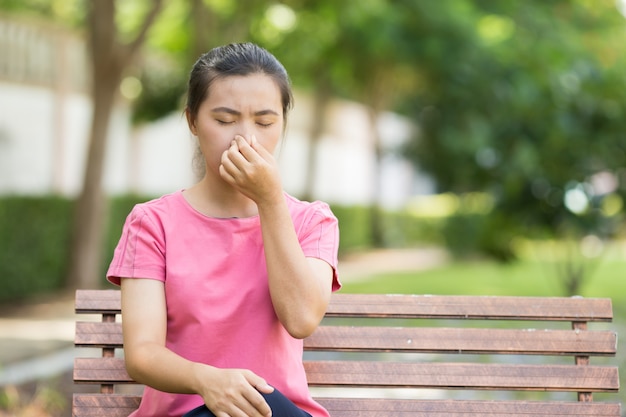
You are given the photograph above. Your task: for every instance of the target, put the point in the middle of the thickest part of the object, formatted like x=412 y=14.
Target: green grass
x=523 y=278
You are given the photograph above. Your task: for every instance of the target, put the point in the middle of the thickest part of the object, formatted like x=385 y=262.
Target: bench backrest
x=386 y=349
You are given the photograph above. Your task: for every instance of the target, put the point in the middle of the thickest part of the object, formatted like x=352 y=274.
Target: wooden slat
x=98 y=302
x=462 y=376
x=101 y=370
x=98 y=405
x=421 y=306
x=95 y=405
x=98 y=334
x=413 y=375
x=365 y=407
x=462 y=340
x=92 y=405
x=470 y=307
x=431 y=340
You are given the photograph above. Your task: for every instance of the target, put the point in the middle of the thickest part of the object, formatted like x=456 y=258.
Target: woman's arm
x=226 y=392
x=300 y=287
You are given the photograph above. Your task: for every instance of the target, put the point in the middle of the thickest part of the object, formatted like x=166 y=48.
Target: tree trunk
x=109 y=59
x=376 y=215
x=202 y=27
x=318 y=122
x=90 y=211
x=378 y=97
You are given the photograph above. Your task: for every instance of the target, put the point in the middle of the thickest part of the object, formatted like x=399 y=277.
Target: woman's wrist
x=201 y=375
x=271 y=203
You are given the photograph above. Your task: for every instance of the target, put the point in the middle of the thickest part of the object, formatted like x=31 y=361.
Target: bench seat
x=394 y=355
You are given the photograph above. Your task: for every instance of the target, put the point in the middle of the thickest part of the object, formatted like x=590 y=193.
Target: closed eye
x=224 y=122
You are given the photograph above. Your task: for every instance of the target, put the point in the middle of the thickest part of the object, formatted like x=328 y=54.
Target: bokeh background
x=483 y=138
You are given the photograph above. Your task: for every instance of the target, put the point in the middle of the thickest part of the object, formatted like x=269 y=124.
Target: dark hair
x=235 y=59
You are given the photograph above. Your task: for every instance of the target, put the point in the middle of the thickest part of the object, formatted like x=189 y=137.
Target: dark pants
x=281 y=407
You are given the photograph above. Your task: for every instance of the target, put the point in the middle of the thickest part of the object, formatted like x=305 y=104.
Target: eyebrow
x=237 y=113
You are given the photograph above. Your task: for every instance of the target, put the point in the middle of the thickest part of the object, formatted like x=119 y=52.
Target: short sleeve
x=140 y=252
x=320 y=238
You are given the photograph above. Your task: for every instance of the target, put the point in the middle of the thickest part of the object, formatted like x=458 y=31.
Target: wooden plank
x=410 y=375
x=462 y=376
x=93 y=405
x=99 y=405
x=98 y=302
x=101 y=370
x=365 y=407
x=462 y=340
x=428 y=340
x=420 y=306
x=98 y=334
x=470 y=307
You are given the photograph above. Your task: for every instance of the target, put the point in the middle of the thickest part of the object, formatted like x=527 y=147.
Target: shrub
x=354 y=227
x=36 y=232
x=35 y=243
x=34 y=246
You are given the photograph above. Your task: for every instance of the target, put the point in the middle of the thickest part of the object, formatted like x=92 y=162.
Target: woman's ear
x=191 y=121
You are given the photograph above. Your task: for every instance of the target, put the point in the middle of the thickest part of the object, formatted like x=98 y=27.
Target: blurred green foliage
x=35 y=242
x=523 y=101
x=353 y=233
x=36 y=232
x=34 y=246
x=526 y=106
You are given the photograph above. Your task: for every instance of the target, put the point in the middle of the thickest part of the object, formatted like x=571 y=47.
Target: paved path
x=360 y=266
x=36 y=339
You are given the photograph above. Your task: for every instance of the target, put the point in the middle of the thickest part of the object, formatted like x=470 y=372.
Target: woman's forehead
x=245 y=90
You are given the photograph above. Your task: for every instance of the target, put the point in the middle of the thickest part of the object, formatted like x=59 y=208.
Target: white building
x=45 y=114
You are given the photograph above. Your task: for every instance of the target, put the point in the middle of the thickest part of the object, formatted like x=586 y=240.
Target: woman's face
x=247 y=105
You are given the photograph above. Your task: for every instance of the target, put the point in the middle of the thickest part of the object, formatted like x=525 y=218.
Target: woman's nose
x=246 y=130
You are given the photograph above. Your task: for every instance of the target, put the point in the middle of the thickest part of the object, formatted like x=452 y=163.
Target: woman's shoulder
x=302 y=207
x=158 y=207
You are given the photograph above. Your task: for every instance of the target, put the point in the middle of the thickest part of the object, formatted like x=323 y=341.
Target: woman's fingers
x=256 y=405
x=242 y=163
x=246 y=148
x=238 y=397
x=249 y=167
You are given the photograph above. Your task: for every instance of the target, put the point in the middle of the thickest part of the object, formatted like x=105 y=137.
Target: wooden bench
x=403 y=355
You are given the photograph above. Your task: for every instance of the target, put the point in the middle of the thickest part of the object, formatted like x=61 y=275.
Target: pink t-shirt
x=218 y=304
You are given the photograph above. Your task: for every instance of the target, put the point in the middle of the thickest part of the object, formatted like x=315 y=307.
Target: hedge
x=35 y=235
x=35 y=238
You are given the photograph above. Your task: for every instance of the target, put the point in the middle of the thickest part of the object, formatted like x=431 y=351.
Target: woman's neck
x=218 y=199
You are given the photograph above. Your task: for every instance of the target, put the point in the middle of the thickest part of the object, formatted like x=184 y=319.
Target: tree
x=110 y=57
x=348 y=50
x=375 y=64
x=309 y=50
x=528 y=110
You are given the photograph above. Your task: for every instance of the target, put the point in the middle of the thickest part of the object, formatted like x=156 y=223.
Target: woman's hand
x=250 y=168
x=235 y=392
x=227 y=392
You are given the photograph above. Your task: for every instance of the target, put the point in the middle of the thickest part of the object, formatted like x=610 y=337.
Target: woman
x=221 y=281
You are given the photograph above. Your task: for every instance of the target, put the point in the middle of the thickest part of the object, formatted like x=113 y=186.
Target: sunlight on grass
x=528 y=277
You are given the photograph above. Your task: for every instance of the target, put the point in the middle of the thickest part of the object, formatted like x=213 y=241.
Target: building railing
x=42 y=55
